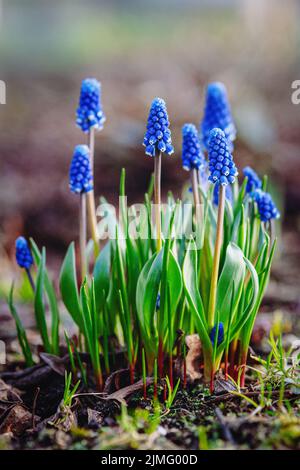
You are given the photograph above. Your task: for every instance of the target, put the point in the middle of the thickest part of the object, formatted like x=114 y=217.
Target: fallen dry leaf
x=17 y=420
x=193 y=357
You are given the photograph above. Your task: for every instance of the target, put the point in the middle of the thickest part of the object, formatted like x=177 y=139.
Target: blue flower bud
x=221 y=165
x=81 y=178
x=158 y=135
x=192 y=156
x=266 y=206
x=23 y=253
x=254 y=182
x=157 y=305
x=89 y=111
x=217 y=113
x=213 y=332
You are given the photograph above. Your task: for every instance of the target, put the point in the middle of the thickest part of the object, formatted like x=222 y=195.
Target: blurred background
x=138 y=49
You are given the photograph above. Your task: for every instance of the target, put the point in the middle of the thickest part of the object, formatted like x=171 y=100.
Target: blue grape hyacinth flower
x=217 y=113
x=158 y=135
x=192 y=156
x=254 y=182
x=81 y=178
x=157 y=305
x=221 y=165
x=266 y=206
x=213 y=333
x=89 y=112
x=23 y=254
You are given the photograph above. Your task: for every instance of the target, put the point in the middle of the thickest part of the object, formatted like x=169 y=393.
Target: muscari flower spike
x=254 y=182
x=89 y=111
x=221 y=165
x=213 y=332
x=192 y=156
x=23 y=253
x=81 y=178
x=217 y=113
x=266 y=206
x=158 y=135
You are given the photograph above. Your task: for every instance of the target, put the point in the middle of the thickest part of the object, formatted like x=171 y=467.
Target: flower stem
x=157 y=199
x=243 y=362
x=82 y=234
x=91 y=144
x=144 y=374
x=155 y=379
x=30 y=279
x=160 y=358
x=195 y=187
x=171 y=371
x=216 y=260
x=272 y=232
x=99 y=381
x=91 y=196
x=197 y=203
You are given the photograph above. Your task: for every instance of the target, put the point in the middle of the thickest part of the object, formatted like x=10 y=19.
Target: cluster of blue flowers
x=89 y=111
x=192 y=156
x=266 y=206
x=213 y=333
x=23 y=253
x=221 y=165
x=254 y=182
x=158 y=135
x=217 y=114
x=81 y=178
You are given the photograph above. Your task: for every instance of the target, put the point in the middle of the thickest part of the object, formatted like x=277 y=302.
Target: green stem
x=272 y=232
x=30 y=279
x=216 y=260
x=82 y=234
x=197 y=201
x=157 y=199
x=195 y=188
x=144 y=374
x=91 y=144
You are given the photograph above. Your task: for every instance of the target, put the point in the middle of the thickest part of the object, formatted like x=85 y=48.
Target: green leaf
x=101 y=276
x=50 y=291
x=232 y=275
x=146 y=295
x=68 y=286
x=22 y=337
x=193 y=295
x=175 y=283
x=133 y=268
x=252 y=293
x=39 y=307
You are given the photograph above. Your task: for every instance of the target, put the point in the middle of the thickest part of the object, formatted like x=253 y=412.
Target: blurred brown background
x=138 y=49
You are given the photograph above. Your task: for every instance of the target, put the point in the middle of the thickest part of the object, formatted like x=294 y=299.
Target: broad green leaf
x=232 y=275
x=133 y=268
x=50 y=291
x=39 y=307
x=174 y=281
x=193 y=295
x=68 y=286
x=252 y=293
x=101 y=276
x=147 y=291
